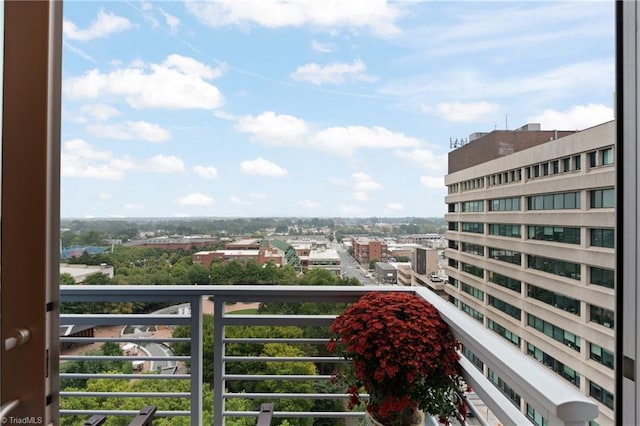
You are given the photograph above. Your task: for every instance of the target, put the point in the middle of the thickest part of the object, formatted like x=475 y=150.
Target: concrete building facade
x=531 y=251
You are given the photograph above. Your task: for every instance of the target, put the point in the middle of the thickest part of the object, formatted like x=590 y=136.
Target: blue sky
x=315 y=108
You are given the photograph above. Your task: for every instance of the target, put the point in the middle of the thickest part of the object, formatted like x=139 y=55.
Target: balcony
x=551 y=397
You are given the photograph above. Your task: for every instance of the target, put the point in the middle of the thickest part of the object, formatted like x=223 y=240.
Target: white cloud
x=206 y=172
x=237 y=200
x=578 y=117
x=130 y=130
x=377 y=15
x=258 y=195
x=345 y=140
x=164 y=164
x=462 y=112
x=334 y=73
x=363 y=184
x=196 y=199
x=105 y=196
x=395 y=206
x=425 y=158
x=179 y=82
x=361 y=196
x=262 y=167
x=308 y=204
x=274 y=129
x=172 y=22
x=80 y=159
x=101 y=112
x=104 y=25
x=322 y=47
x=433 y=182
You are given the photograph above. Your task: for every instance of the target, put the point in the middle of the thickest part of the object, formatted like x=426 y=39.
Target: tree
x=198 y=274
x=67 y=279
x=372 y=263
x=97 y=278
x=92 y=366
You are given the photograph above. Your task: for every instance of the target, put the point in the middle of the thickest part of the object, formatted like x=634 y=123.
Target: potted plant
x=403 y=355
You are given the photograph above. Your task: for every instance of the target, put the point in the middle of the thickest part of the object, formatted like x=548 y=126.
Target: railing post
x=218 y=361
x=266 y=413
x=145 y=416
x=196 y=361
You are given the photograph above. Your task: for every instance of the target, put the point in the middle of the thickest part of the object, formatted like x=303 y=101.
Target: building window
x=478 y=294
x=554 y=266
x=565 y=372
x=508 y=256
x=555 y=167
x=453 y=244
x=472 y=312
x=602 y=237
x=601 y=316
x=545 y=169
x=475 y=227
x=504 y=204
x=601 y=276
x=453 y=207
x=453 y=301
x=606 y=156
x=599 y=394
x=602 y=198
x=504 y=230
x=453 y=263
x=566 y=165
x=473 y=206
x=576 y=162
x=453 y=226
x=554 y=299
x=507 y=334
x=565 y=337
x=601 y=355
x=473 y=270
x=477 y=362
x=504 y=281
x=476 y=249
x=593 y=159
x=505 y=388
x=554 y=233
x=505 y=307
x=536 y=417
x=567 y=200
x=452 y=281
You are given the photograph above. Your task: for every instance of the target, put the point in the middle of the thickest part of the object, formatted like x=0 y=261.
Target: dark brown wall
x=498 y=144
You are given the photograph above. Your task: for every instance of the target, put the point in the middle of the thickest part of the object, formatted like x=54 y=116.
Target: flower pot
x=415 y=420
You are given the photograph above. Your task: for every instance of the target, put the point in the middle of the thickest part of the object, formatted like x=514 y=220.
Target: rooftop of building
x=482 y=147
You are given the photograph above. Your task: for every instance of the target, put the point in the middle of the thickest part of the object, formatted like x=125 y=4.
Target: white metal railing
x=558 y=401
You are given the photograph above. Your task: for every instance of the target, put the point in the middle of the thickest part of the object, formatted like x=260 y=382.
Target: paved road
x=350 y=267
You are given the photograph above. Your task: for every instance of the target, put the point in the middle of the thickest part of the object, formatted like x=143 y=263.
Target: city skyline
x=310 y=109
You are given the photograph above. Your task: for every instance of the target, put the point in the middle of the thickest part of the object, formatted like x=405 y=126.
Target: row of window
x=552 y=298
x=599 y=237
x=504 y=332
x=602 y=157
x=564 y=165
x=473 y=313
x=598 y=198
x=595 y=391
x=597 y=276
x=564 y=371
x=504 y=387
x=565 y=337
x=478 y=294
x=505 y=307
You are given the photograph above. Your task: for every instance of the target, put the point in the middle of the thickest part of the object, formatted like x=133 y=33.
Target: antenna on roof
x=506 y=121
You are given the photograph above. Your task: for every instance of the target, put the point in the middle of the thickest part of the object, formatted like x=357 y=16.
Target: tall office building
x=531 y=253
